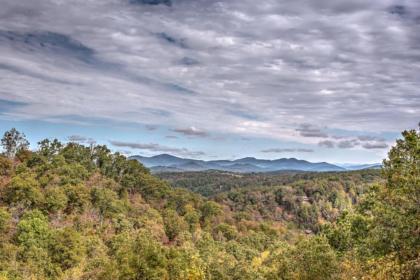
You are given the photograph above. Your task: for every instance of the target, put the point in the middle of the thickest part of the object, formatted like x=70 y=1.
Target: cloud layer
x=287 y=150
x=277 y=69
x=191 y=131
x=153 y=147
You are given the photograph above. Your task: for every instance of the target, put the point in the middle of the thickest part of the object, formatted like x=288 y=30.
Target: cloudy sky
x=324 y=80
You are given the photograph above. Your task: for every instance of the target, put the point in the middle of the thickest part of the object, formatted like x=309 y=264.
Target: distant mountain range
x=169 y=163
x=350 y=166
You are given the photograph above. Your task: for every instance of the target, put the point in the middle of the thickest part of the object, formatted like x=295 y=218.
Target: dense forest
x=301 y=200
x=209 y=183
x=69 y=211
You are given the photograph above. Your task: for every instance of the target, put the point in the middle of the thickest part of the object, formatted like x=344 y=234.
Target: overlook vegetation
x=210 y=183
x=68 y=211
x=298 y=200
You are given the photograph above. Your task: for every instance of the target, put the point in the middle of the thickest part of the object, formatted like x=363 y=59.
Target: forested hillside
x=298 y=200
x=209 y=183
x=68 y=211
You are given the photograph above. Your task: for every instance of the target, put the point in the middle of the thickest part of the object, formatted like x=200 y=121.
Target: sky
x=321 y=80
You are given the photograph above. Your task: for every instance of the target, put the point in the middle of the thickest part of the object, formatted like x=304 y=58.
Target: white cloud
x=153 y=147
x=191 y=131
x=287 y=150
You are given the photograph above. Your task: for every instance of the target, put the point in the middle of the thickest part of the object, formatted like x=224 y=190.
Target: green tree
x=184 y=263
x=394 y=207
x=137 y=256
x=192 y=217
x=77 y=198
x=33 y=230
x=24 y=189
x=225 y=231
x=5 y=219
x=173 y=224
x=33 y=237
x=314 y=259
x=382 y=237
x=66 y=248
x=107 y=202
x=13 y=141
x=48 y=148
x=209 y=210
x=348 y=232
x=55 y=199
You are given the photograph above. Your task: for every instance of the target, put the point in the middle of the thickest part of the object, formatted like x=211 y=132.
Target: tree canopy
x=73 y=212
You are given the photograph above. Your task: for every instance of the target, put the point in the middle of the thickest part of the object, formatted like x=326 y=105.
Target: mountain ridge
x=164 y=162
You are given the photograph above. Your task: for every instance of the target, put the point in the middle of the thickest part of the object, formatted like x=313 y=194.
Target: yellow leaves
x=76 y=272
x=351 y=268
x=265 y=255
x=384 y=268
x=196 y=270
x=258 y=261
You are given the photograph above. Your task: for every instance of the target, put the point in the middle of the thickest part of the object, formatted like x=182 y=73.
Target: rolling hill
x=166 y=162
